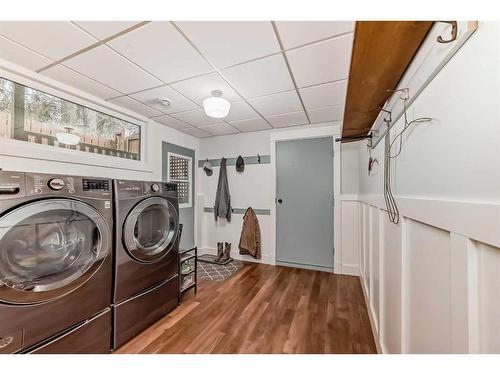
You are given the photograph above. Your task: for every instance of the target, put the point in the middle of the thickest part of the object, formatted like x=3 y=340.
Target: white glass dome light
x=216 y=106
x=67 y=138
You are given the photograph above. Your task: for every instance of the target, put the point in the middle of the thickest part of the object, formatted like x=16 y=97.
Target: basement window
x=180 y=172
x=31 y=115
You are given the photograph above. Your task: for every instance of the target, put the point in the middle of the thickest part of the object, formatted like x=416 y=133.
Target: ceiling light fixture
x=165 y=102
x=67 y=138
x=216 y=106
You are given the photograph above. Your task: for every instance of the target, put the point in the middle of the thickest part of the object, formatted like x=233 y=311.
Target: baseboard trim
x=350 y=269
x=237 y=256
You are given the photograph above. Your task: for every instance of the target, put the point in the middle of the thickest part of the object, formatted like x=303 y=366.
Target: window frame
x=22 y=149
x=189 y=204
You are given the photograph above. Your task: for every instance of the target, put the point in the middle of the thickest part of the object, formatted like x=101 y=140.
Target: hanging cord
x=407 y=124
x=390 y=201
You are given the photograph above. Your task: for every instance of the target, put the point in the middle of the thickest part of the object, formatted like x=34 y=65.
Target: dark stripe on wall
x=264 y=159
x=241 y=211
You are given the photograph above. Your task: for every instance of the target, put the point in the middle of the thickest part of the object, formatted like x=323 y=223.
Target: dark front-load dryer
x=147 y=225
x=146 y=255
x=55 y=262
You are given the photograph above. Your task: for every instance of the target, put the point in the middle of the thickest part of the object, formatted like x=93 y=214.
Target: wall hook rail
x=454 y=31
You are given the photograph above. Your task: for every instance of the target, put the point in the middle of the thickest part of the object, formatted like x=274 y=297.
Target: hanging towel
x=222 y=206
x=250 y=234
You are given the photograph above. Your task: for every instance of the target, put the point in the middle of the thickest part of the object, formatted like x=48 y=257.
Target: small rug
x=218 y=272
x=208 y=258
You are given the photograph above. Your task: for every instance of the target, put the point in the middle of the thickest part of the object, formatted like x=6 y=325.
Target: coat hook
x=454 y=29
x=258 y=158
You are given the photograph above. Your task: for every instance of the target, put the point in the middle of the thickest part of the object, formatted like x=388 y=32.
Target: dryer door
x=49 y=248
x=150 y=229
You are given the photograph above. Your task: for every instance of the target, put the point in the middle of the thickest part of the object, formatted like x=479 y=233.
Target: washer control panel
x=93 y=185
x=56 y=183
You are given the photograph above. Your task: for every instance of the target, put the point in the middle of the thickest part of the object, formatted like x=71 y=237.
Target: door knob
x=280 y=200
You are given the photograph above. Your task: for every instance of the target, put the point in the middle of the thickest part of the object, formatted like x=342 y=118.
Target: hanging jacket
x=250 y=234
x=222 y=206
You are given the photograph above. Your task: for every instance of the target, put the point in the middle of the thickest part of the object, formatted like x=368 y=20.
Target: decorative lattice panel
x=179 y=173
x=183 y=190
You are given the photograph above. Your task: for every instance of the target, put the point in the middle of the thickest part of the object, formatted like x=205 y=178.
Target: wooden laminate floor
x=265 y=309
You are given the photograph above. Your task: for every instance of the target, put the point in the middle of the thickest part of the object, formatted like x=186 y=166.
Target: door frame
x=310 y=133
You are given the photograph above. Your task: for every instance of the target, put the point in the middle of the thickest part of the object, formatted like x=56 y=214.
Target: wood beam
x=381 y=53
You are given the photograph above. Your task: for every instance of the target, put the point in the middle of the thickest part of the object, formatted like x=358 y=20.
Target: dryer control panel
x=89 y=185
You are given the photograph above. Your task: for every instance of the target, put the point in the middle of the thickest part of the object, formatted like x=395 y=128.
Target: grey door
x=304 y=203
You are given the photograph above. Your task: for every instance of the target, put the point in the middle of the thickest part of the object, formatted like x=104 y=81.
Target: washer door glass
x=150 y=229
x=48 y=248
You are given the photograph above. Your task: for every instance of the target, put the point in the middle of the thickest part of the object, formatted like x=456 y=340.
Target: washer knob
x=155 y=188
x=56 y=184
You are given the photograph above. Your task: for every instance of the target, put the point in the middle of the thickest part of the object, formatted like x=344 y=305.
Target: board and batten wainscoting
x=430 y=285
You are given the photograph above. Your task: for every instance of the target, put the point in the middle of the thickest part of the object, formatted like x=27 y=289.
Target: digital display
x=171 y=187
x=95 y=185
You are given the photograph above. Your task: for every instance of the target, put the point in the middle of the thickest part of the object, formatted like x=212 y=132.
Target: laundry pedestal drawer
x=135 y=314
x=90 y=337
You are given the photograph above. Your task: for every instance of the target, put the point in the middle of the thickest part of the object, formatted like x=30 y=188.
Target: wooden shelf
x=381 y=53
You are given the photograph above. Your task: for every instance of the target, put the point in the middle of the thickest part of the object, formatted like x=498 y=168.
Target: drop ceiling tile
x=20 y=55
x=106 y=66
x=196 y=118
x=241 y=111
x=251 y=125
x=287 y=119
x=328 y=94
x=172 y=122
x=260 y=77
x=104 y=29
x=134 y=105
x=297 y=33
x=150 y=97
x=283 y=102
x=66 y=75
x=160 y=49
x=220 y=129
x=195 y=132
x=321 y=62
x=326 y=114
x=200 y=88
x=226 y=43
x=53 y=39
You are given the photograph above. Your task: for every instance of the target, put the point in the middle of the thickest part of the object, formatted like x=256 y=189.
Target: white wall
x=256 y=188
x=432 y=281
x=252 y=188
x=349 y=208
x=350 y=171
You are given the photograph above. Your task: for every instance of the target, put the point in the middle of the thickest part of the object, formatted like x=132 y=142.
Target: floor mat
x=208 y=258
x=218 y=272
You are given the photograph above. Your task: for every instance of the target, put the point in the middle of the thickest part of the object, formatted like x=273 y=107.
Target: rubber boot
x=227 y=251
x=220 y=251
